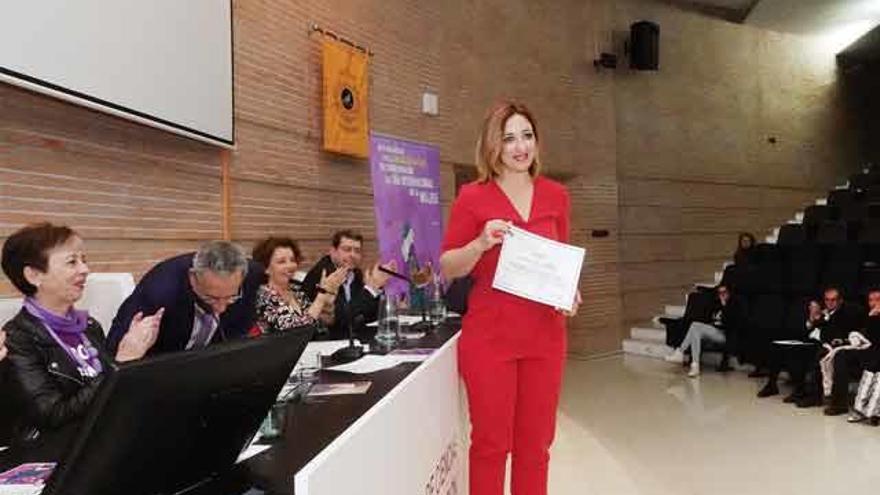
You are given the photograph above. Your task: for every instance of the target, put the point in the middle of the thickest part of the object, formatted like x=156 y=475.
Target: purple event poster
x=406 y=188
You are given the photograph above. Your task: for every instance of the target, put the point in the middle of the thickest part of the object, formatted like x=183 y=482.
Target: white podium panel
x=410 y=443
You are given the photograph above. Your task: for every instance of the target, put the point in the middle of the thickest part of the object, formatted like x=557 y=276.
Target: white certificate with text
x=539 y=269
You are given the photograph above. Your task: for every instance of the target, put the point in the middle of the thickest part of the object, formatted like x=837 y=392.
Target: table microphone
x=352 y=352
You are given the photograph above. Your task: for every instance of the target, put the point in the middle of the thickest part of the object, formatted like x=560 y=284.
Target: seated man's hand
x=3 y=350
x=331 y=282
x=376 y=278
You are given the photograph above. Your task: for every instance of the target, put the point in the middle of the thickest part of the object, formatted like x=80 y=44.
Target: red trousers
x=513 y=378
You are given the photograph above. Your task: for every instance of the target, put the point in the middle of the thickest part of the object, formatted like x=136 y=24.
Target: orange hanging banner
x=346 y=126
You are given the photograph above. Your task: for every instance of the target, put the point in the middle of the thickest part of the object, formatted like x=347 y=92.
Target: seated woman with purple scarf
x=56 y=356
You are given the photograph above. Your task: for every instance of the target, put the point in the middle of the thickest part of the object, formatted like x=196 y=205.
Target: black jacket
x=48 y=395
x=363 y=307
x=848 y=318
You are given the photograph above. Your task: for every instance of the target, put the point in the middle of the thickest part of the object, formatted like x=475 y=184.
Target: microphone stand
x=352 y=352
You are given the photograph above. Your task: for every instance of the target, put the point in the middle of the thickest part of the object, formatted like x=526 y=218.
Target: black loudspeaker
x=644 y=46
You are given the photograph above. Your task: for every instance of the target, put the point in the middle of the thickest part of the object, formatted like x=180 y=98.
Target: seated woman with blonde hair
x=281 y=303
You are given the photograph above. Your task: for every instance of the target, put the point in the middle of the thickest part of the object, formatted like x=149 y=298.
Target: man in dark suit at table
x=358 y=301
x=209 y=296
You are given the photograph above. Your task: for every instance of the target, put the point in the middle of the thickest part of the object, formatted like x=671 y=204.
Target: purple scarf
x=68 y=331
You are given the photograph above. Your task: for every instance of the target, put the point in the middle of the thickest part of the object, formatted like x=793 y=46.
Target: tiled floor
x=630 y=425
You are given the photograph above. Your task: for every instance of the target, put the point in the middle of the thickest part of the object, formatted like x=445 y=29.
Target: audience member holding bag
x=857 y=354
x=282 y=304
x=867 y=402
x=56 y=354
x=511 y=350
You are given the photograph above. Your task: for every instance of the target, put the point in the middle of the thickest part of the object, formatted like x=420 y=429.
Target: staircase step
x=648 y=334
x=706 y=285
x=674 y=311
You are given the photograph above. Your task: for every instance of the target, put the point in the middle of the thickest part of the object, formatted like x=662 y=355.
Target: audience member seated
x=840 y=320
x=208 y=296
x=848 y=361
x=832 y=330
x=725 y=321
x=744 y=249
x=798 y=355
x=56 y=354
x=358 y=304
x=867 y=401
x=281 y=303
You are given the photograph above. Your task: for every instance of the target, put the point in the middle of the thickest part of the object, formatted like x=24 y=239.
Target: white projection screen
x=164 y=63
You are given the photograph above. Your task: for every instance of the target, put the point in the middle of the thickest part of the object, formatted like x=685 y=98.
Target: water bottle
x=437 y=309
x=389 y=325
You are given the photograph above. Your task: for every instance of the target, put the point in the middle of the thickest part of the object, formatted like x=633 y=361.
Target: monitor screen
x=161 y=424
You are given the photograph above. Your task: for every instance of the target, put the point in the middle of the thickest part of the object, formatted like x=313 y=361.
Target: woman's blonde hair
x=490 y=143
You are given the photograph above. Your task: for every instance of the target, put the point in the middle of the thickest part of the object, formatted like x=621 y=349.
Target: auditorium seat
x=869 y=278
x=766 y=274
x=860 y=181
x=103 y=295
x=832 y=232
x=841 y=268
x=792 y=234
x=815 y=216
x=9 y=307
x=803 y=265
x=698 y=308
x=854 y=214
x=795 y=317
x=869 y=233
x=767 y=320
x=844 y=197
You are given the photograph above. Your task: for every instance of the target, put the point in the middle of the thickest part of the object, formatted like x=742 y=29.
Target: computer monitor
x=168 y=422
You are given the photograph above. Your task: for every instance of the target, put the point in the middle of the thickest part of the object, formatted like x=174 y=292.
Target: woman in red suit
x=512 y=350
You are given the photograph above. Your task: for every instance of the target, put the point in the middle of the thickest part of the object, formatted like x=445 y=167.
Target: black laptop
x=162 y=424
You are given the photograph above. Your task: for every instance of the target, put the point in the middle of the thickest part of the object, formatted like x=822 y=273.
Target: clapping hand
x=2 y=345
x=141 y=336
x=333 y=281
x=376 y=278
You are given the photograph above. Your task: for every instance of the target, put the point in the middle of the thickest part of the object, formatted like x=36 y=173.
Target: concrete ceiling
x=837 y=22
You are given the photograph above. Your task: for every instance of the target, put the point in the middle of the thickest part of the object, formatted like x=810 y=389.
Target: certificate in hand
x=539 y=269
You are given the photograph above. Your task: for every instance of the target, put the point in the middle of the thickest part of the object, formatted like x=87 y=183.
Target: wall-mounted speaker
x=644 y=46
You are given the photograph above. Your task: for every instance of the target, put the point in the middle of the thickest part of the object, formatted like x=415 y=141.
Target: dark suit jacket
x=848 y=318
x=45 y=396
x=363 y=307
x=167 y=286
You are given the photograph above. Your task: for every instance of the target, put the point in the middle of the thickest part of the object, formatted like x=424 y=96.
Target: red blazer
x=478 y=203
